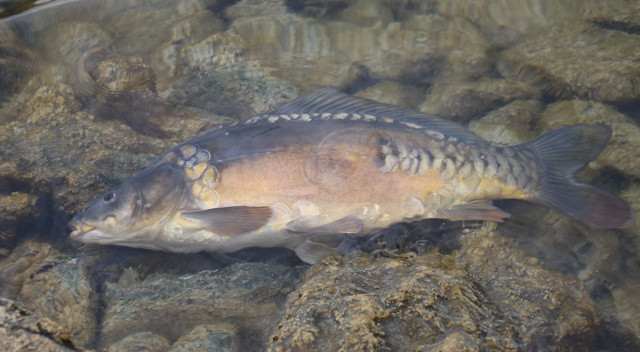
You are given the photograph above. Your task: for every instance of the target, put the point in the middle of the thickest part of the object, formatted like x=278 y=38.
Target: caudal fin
x=563 y=152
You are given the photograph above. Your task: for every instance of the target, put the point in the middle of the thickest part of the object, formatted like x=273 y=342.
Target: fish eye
x=109 y=197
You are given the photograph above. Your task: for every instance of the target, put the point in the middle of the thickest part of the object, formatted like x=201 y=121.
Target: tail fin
x=563 y=152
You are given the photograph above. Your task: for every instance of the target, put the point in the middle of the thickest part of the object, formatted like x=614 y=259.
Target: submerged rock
x=504 y=21
x=577 y=58
x=394 y=93
x=317 y=8
x=297 y=48
x=462 y=101
x=126 y=90
x=632 y=196
x=52 y=286
x=488 y=295
x=218 y=73
x=309 y=53
x=237 y=93
x=215 y=53
x=67 y=155
x=423 y=48
x=616 y=14
x=16 y=209
x=242 y=297
x=367 y=13
x=511 y=124
x=122 y=73
x=403 y=303
x=16 y=61
x=144 y=341
x=211 y=337
x=604 y=261
x=549 y=310
x=22 y=331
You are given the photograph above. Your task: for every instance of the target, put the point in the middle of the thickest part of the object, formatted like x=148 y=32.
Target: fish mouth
x=79 y=229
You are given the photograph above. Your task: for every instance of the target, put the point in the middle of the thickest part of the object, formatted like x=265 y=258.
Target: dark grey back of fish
x=326 y=109
x=332 y=101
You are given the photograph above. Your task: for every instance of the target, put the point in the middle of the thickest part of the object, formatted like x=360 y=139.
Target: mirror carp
x=329 y=163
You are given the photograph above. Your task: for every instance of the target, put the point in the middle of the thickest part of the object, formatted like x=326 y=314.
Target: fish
x=329 y=164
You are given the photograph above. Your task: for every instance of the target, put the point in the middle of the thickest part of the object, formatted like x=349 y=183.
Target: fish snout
x=79 y=228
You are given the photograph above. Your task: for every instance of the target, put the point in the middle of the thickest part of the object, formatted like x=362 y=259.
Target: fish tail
x=563 y=151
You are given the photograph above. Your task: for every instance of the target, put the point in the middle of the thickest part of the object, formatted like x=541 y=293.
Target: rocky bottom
x=485 y=293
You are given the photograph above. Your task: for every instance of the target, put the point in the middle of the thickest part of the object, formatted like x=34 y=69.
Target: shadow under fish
x=328 y=164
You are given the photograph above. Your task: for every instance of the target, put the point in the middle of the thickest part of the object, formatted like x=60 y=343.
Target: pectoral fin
x=345 y=225
x=230 y=221
x=476 y=210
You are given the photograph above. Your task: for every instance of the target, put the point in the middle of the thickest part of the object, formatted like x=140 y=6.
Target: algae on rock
x=488 y=294
x=52 y=286
x=22 y=331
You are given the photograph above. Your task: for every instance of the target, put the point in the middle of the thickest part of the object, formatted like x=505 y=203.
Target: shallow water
x=92 y=91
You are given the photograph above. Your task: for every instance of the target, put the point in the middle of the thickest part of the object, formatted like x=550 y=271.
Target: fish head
x=135 y=208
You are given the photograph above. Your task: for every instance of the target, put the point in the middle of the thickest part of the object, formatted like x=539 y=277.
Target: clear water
x=91 y=91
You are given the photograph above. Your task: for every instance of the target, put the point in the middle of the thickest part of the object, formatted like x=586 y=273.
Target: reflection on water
x=92 y=91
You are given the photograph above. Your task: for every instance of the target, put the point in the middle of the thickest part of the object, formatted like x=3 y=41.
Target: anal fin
x=476 y=210
x=346 y=225
x=230 y=221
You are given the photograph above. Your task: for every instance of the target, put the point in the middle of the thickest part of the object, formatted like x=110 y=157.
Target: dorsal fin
x=330 y=100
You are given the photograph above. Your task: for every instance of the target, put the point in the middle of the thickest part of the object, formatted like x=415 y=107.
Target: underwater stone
x=16 y=209
x=632 y=196
x=69 y=42
x=489 y=294
x=603 y=261
x=255 y=8
x=206 y=297
x=63 y=295
x=394 y=93
x=93 y=153
x=317 y=8
x=367 y=13
x=16 y=60
x=214 y=53
x=144 y=341
x=511 y=124
x=52 y=286
x=462 y=101
x=72 y=169
x=541 y=304
x=399 y=303
x=504 y=21
x=616 y=14
x=422 y=48
x=122 y=73
x=577 y=58
x=125 y=90
x=22 y=331
x=212 y=337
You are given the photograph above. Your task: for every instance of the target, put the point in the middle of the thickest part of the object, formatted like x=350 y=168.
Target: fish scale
x=456 y=158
